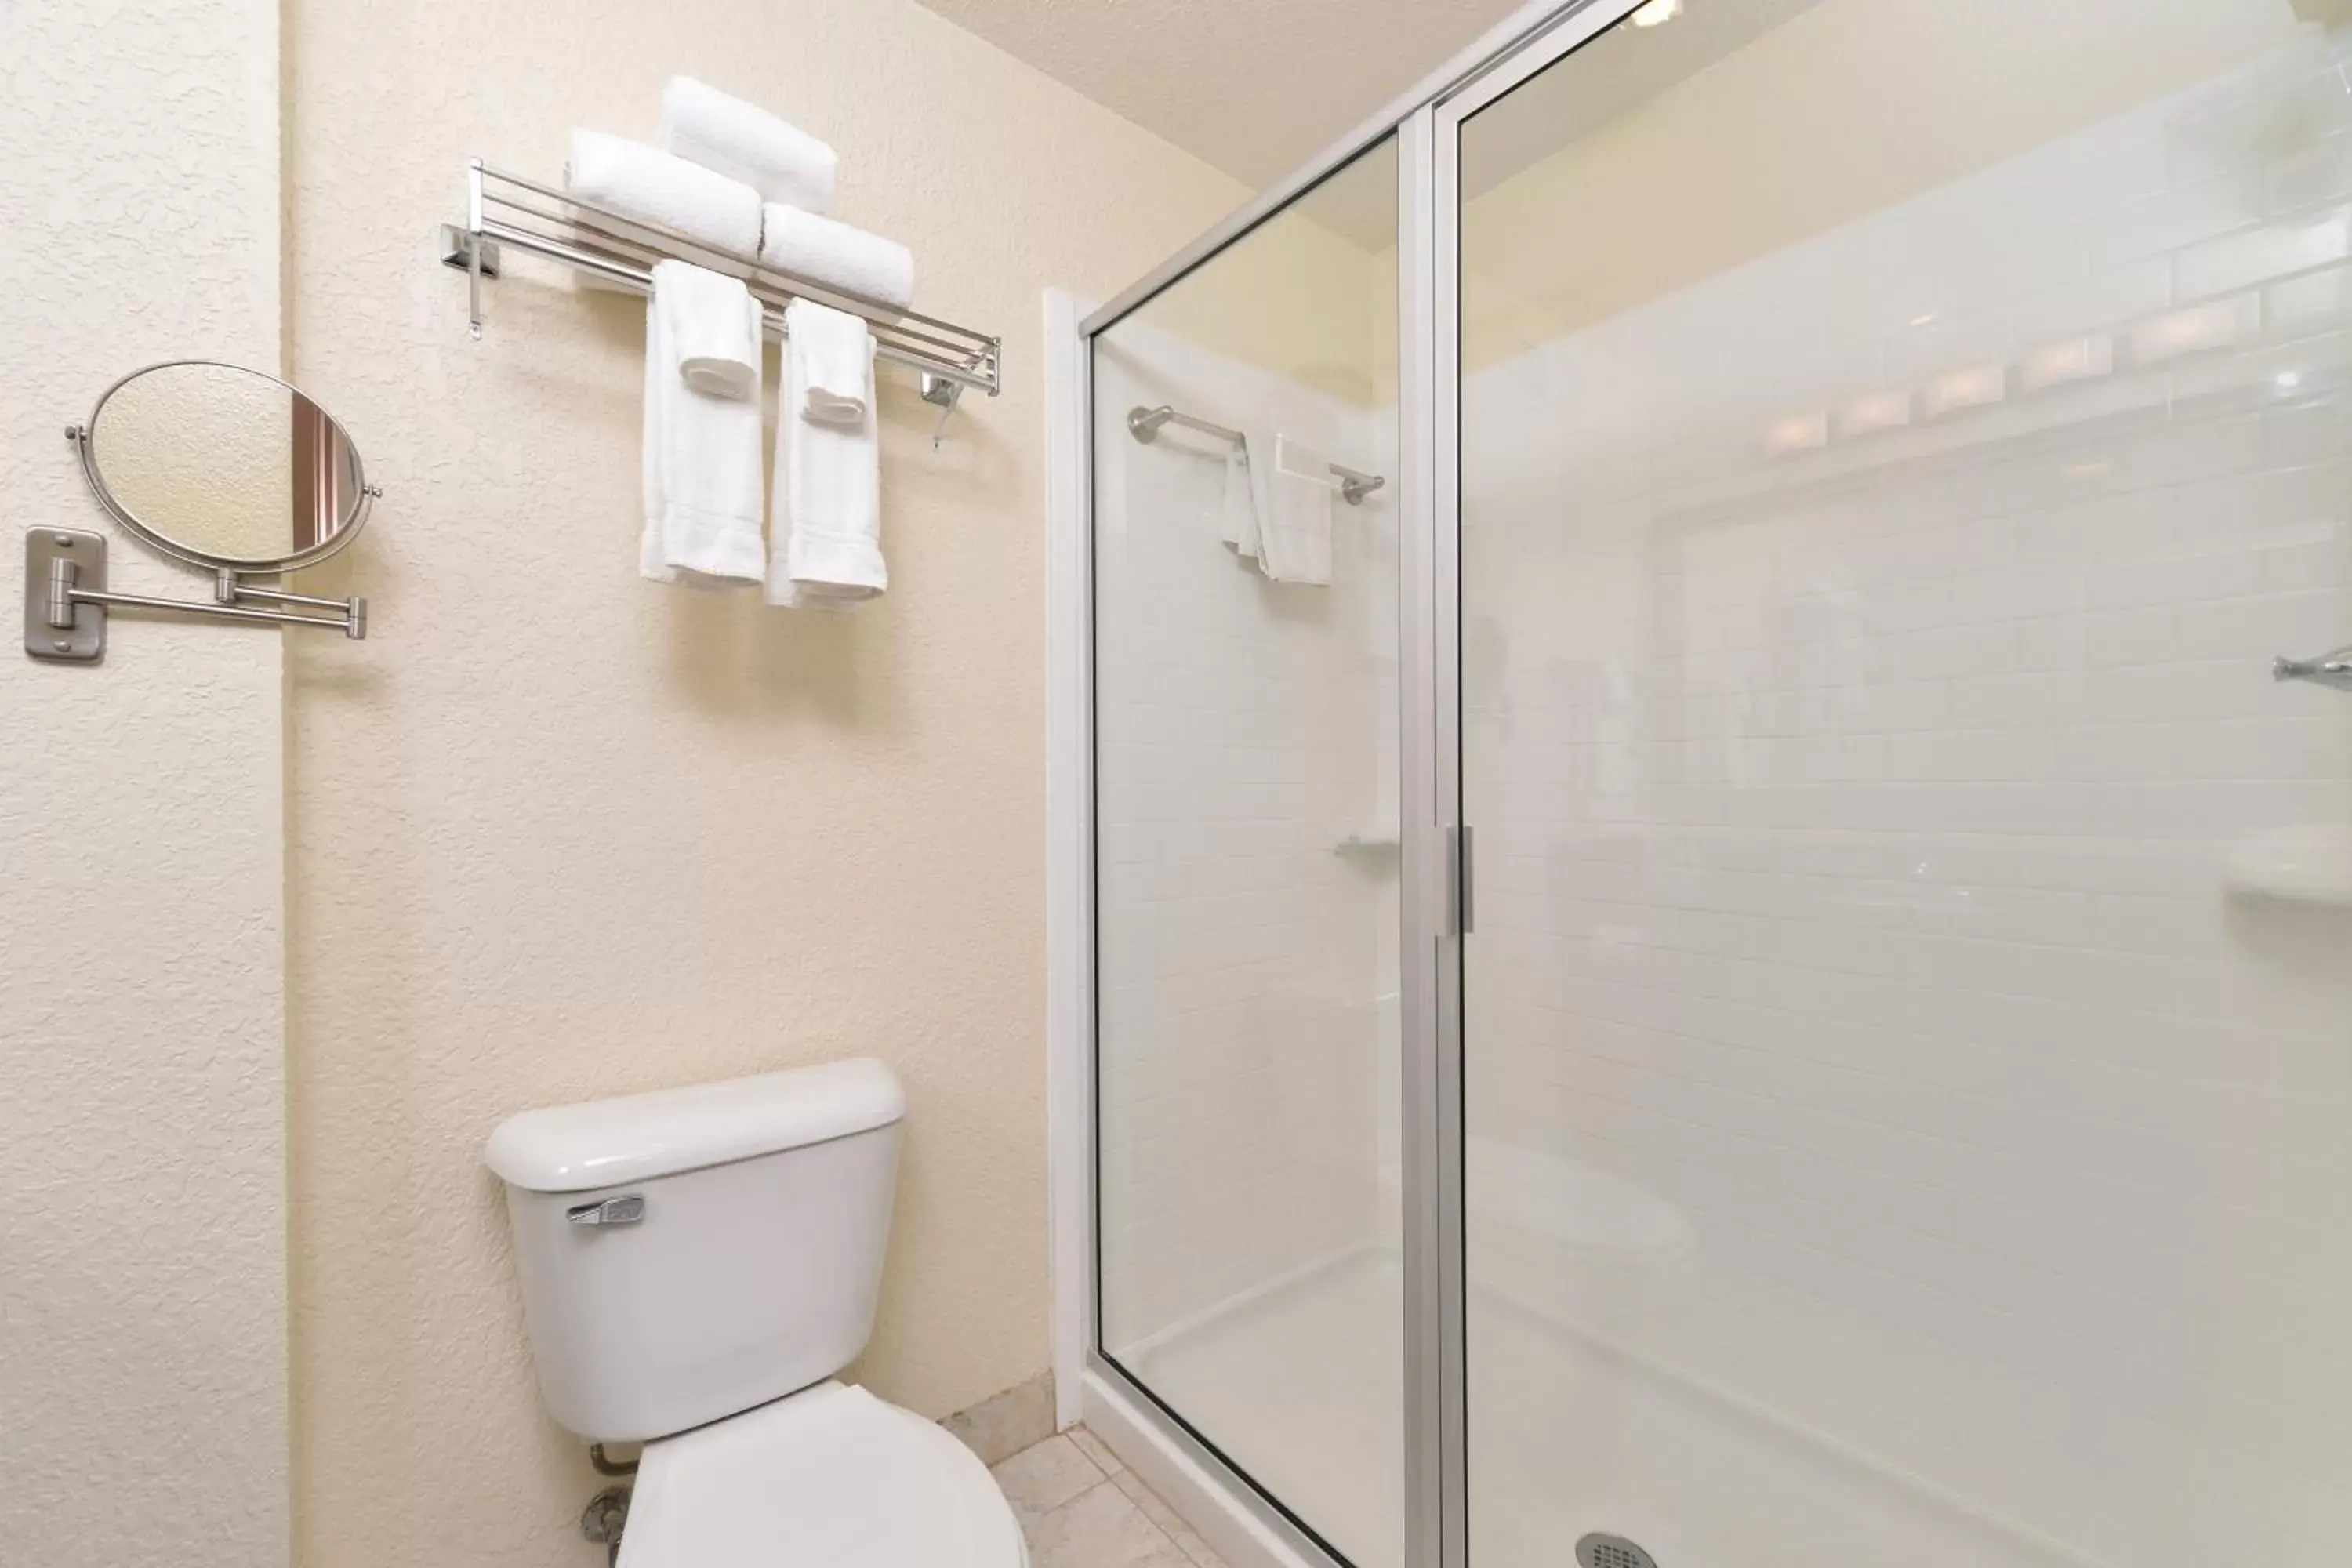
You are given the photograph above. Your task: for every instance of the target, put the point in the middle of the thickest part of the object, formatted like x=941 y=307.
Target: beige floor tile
x=1045 y=1476
x=1074 y=1518
x=1144 y=1498
x=1101 y=1528
x=1187 y=1539
x=1095 y=1448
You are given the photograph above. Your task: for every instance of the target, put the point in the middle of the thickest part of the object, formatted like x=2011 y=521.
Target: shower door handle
x=1460 y=880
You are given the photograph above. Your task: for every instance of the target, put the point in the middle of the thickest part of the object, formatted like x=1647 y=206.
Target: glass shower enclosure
x=1718 y=935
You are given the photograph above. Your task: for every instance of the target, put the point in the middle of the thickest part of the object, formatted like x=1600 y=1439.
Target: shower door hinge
x=1459 y=881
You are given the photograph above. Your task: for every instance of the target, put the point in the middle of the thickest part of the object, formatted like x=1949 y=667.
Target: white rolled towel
x=743 y=142
x=837 y=255
x=652 y=187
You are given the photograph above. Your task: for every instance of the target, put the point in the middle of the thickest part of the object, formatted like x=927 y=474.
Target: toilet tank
x=692 y=1253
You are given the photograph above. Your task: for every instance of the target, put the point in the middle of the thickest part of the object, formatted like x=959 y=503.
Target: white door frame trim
x=1069 y=854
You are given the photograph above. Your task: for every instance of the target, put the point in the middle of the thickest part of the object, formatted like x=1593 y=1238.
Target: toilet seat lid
x=828 y=1477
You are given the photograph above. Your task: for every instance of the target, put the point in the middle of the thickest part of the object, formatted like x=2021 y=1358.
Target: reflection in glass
x=226 y=464
x=1247 y=861
x=1906 y=1032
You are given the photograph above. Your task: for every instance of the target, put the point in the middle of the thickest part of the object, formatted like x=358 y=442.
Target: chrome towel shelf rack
x=505 y=210
x=1144 y=425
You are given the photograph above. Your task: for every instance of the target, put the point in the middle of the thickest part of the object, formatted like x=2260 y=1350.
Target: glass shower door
x=1247 y=860
x=1907 y=1030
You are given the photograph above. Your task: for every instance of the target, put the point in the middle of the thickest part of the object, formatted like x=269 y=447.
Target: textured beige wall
x=142 y=1221
x=557 y=831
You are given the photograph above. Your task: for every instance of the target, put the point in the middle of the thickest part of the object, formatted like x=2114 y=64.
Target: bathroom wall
x=1897 y=860
x=1239 y=730
x=143 y=1219
x=1247 y=886
x=556 y=832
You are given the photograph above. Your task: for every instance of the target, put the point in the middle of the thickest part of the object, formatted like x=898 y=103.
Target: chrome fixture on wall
x=2329 y=669
x=1144 y=423
x=505 y=210
x=184 y=455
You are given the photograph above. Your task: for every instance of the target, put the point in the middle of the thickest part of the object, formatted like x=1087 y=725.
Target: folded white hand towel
x=744 y=142
x=1294 y=512
x=837 y=353
x=713 y=327
x=702 y=462
x=1236 y=506
x=837 y=255
x=825 y=549
x=651 y=186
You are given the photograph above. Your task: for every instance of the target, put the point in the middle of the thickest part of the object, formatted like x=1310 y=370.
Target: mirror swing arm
x=66 y=594
x=65 y=576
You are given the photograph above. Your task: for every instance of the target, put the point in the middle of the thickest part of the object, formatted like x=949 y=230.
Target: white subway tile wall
x=1241 y=737
x=1881 y=824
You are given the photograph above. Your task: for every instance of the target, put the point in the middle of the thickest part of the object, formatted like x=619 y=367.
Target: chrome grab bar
x=1144 y=423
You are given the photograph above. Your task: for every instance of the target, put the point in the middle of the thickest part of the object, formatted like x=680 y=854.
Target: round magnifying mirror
x=224 y=467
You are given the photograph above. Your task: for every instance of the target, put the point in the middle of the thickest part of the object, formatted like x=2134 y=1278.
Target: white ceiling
x=1255 y=87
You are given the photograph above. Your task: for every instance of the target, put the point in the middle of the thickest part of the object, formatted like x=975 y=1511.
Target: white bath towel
x=651 y=186
x=825 y=547
x=713 y=327
x=1237 y=505
x=744 y=142
x=701 y=465
x=1293 y=495
x=846 y=259
x=835 y=353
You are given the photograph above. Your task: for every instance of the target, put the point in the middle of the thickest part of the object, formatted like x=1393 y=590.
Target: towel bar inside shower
x=1144 y=425
x=506 y=211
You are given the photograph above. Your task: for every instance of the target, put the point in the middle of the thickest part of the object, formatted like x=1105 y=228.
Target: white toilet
x=696 y=1264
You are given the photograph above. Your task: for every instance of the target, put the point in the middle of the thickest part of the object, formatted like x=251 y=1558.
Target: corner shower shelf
x=1369 y=841
x=503 y=209
x=2309 y=866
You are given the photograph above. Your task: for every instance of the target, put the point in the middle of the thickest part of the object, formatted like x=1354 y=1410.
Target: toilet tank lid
x=606 y=1142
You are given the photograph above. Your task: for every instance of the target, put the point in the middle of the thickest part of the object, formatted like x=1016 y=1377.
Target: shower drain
x=1598 y=1551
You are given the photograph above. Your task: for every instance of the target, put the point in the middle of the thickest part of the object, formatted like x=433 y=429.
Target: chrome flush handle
x=626 y=1209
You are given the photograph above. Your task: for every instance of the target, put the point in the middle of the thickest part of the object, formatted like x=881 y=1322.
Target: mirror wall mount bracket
x=66 y=600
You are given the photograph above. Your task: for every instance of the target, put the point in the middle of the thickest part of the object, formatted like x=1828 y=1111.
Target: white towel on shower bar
x=701 y=463
x=1261 y=459
x=1236 y=506
x=1292 y=485
x=825 y=551
x=848 y=261
x=743 y=142
x=651 y=186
